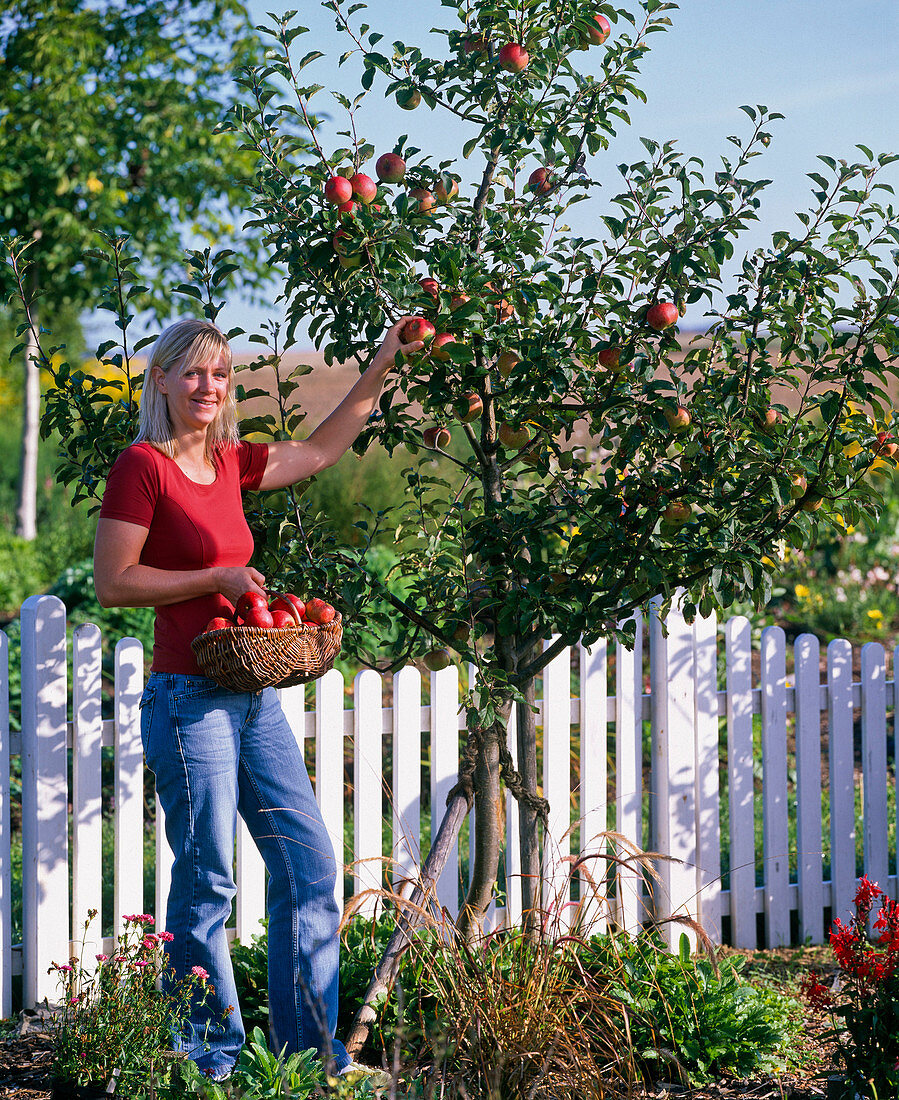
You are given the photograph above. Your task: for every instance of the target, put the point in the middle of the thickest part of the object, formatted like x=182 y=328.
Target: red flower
x=818 y=996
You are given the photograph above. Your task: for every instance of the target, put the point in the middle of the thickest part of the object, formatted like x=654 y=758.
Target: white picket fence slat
x=706 y=803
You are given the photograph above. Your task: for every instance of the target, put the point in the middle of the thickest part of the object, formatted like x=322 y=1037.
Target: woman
x=172 y=535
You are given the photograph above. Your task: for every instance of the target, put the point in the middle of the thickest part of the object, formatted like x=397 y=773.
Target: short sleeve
x=132 y=488
x=252 y=459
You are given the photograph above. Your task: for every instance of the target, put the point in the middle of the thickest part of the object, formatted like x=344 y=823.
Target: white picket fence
x=706 y=756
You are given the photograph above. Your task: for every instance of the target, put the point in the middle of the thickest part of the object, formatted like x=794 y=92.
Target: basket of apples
x=270 y=643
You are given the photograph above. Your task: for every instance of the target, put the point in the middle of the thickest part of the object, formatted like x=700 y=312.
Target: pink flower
x=101 y=958
x=166 y=937
x=140 y=963
x=64 y=969
x=150 y=941
x=200 y=973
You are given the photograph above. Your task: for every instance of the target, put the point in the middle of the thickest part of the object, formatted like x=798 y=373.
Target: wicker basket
x=249 y=658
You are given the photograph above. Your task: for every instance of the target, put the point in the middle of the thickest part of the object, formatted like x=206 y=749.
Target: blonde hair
x=183 y=345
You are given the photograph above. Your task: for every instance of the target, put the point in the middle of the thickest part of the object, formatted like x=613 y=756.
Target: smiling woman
x=172 y=535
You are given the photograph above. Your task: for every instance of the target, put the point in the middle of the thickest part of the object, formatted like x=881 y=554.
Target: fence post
x=808 y=789
x=129 y=781
x=368 y=739
x=594 y=717
x=874 y=763
x=708 y=790
x=406 y=777
x=672 y=671
x=87 y=824
x=5 y=858
x=45 y=879
x=629 y=774
x=740 y=776
x=444 y=774
x=329 y=747
x=842 y=778
x=557 y=785
x=774 y=788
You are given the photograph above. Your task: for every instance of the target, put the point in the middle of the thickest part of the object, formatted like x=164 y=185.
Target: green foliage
x=21 y=575
x=689 y=1017
x=250 y=964
x=259 y=1074
x=116 y=1019
x=106 y=119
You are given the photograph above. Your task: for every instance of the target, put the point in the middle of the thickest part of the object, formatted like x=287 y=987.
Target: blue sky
x=832 y=68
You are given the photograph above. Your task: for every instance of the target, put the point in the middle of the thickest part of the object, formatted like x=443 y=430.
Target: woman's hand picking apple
x=393 y=343
x=234 y=581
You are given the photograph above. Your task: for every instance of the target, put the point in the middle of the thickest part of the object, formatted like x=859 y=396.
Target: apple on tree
x=437 y=659
x=678 y=418
x=662 y=315
x=506 y=362
x=422 y=200
x=436 y=437
x=364 y=187
x=439 y=343
x=446 y=188
x=540 y=181
x=418 y=329
x=678 y=513
x=408 y=98
x=469 y=407
x=390 y=168
x=513 y=58
x=514 y=439
x=430 y=286
x=598 y=31
x=610 y=358
x=338 y=190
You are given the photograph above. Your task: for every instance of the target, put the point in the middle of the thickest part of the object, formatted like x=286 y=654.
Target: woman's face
x=195 y=396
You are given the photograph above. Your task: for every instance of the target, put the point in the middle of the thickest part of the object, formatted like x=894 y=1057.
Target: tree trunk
x=528 y=819
x=26 y=510
x=489 y=821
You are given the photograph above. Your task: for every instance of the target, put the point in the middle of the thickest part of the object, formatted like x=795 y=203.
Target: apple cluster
x=282 y=612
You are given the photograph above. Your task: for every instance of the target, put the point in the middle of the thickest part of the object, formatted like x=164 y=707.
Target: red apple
x=457 y=301
x=678 y=418
x=811 y=504
x=250 y=601
x=288 y=605
x=421 y=200
x=886 y=447
x=435 y=436
x=430 y=286
x=469 y=407
x=514 y=439
x=678 y=513
x=390 y=168
x=408 y=98
x=513 y=58
x=598 y=32
x=259 y=616
x=446 y=188
x=439 y=343
x=418 y=328
x=540 y=181
x=662 y=315
x=218 y=623
x=319 y=612
x=437 y=659
x=338 y=190
x=610 y=358
x=506 y=363
x=364 y=187
x=475 y=44
x=347 y=209
x=283 y=620
x=770 y=418
x=798 y=486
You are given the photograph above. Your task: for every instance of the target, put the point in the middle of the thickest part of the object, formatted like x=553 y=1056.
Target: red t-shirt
x=189 y=526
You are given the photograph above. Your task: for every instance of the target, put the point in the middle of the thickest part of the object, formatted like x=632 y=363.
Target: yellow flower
x=93 y=185
x=802 y=592
x=874 y=614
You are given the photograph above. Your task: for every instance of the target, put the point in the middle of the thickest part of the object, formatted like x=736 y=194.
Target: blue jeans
x=216 y=753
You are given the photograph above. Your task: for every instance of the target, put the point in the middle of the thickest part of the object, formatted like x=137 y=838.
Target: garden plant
x=588 y=466
x=864 y=1003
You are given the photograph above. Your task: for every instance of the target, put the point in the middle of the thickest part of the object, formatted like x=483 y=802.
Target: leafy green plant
x=117 y=1017
x=259 y=1074
x=867 y=1003
x=690 y=1017
x=250 y=964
